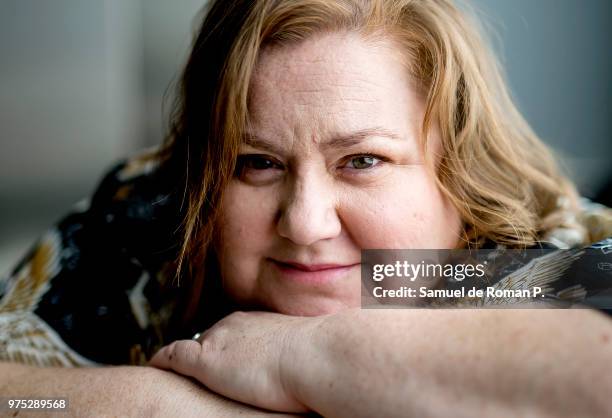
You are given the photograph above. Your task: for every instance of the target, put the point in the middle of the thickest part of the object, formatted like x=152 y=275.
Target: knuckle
x=172 y=352
x=187 y=351
x=207 y=345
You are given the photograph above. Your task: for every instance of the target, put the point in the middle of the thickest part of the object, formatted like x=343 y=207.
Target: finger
x=183 y=356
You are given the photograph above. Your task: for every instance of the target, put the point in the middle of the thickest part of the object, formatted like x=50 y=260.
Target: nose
x=308 y=213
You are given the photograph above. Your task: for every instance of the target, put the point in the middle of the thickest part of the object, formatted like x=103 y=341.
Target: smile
x=313 y=273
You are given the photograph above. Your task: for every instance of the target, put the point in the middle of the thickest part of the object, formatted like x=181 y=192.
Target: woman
x=307 y=131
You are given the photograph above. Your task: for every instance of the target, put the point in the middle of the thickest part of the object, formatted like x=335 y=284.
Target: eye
x=257 y=168
x=256 y=162
x=362 y=162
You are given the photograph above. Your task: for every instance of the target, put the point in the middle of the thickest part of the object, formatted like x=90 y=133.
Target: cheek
x=408 y=211
x=244 y=232
x=244 y=217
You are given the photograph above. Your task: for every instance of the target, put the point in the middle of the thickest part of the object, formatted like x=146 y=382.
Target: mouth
x=312 y=273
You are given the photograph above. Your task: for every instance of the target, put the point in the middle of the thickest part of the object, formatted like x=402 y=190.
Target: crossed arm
x=356 y=363
x=531 y=362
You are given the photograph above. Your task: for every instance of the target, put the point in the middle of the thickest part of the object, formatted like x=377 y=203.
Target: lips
x=312 y=273
x=312 y=267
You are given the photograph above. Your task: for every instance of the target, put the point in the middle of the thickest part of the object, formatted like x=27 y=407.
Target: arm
x=457 y=363
x=437 y=363
x=120 y=391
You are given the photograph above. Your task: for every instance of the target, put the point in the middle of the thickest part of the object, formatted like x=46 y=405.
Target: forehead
x=327 y=56
x=333 y=78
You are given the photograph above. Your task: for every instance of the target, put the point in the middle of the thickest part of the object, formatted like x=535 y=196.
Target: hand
x=245 y=357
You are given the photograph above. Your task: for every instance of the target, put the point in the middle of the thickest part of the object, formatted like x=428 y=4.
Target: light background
x=82 y=82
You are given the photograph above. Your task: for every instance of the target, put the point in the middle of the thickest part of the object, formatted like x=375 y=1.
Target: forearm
x=90 y=391
x=455 y=362
x=120 y=391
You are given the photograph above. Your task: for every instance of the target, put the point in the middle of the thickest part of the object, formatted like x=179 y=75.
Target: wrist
x=309 y=362
x=302 y=356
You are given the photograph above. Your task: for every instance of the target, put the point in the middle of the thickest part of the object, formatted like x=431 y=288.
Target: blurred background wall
x=82 y=83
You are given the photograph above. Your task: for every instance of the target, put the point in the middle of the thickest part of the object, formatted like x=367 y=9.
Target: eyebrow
x=336 y=141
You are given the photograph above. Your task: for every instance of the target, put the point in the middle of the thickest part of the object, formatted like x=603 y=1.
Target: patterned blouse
x=99 y=288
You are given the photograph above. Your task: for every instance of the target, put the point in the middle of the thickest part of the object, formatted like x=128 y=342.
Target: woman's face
x=331 y=165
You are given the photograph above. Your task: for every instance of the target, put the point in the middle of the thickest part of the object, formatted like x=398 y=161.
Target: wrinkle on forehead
x=336 y=82
x=281 y=65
